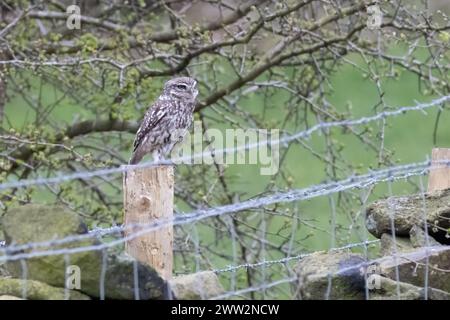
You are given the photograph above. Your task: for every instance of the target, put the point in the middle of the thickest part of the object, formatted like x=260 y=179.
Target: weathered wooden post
x=148 y=196
x=439 y=178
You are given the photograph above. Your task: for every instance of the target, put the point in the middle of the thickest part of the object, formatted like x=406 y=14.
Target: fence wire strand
x=124 y=233
x=284 y=141
x=362 y=181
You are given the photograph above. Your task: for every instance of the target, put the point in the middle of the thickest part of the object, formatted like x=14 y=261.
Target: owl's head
x=181 y=88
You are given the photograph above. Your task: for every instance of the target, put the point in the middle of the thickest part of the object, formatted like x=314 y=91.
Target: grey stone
x=35 y=223
x=397 y=290
x=335 y=275
x=406 y=212
x=412 y=268
x=389 y=246
x=419 y=238
x=3 y=271
x=200 y=285
x=7 y=297
x=36 y=290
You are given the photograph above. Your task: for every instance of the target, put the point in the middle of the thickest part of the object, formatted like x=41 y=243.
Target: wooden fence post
x=148 y=195
x=439 y=178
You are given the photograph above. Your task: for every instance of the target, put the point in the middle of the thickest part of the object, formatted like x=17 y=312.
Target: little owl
x=167 y=121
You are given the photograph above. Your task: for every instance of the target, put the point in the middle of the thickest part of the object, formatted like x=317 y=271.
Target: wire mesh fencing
x=319 y=191
x=274 y=274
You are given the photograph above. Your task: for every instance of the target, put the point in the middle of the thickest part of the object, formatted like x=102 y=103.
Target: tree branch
x=160 y=37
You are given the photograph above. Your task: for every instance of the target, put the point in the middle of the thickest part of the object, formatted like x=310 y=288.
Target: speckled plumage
x=167 y=121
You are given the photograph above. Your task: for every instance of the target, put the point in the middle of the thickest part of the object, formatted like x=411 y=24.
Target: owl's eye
x=181 y=86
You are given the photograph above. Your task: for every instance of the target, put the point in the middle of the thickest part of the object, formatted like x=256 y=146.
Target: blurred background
x=71 y=101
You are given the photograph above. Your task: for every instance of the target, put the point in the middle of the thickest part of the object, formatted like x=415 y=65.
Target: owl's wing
x=153 y=116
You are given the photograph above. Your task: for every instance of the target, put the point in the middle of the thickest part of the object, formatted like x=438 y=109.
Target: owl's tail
x=135 y=158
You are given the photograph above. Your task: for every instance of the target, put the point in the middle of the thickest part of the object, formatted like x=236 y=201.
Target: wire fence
x=391 y=174
x=346 y=99
x=287 y=280
x=64 y=177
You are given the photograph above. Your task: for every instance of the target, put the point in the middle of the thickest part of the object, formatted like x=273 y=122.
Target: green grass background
x=409 y=136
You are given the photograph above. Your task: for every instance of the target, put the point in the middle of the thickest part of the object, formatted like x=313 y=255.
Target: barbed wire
x=336 y=45
x=359 y=267
x=289 y=259
x=253 y=289
x=187 y=159
x=12 y=252
x=362 y=181
x=96 y=232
